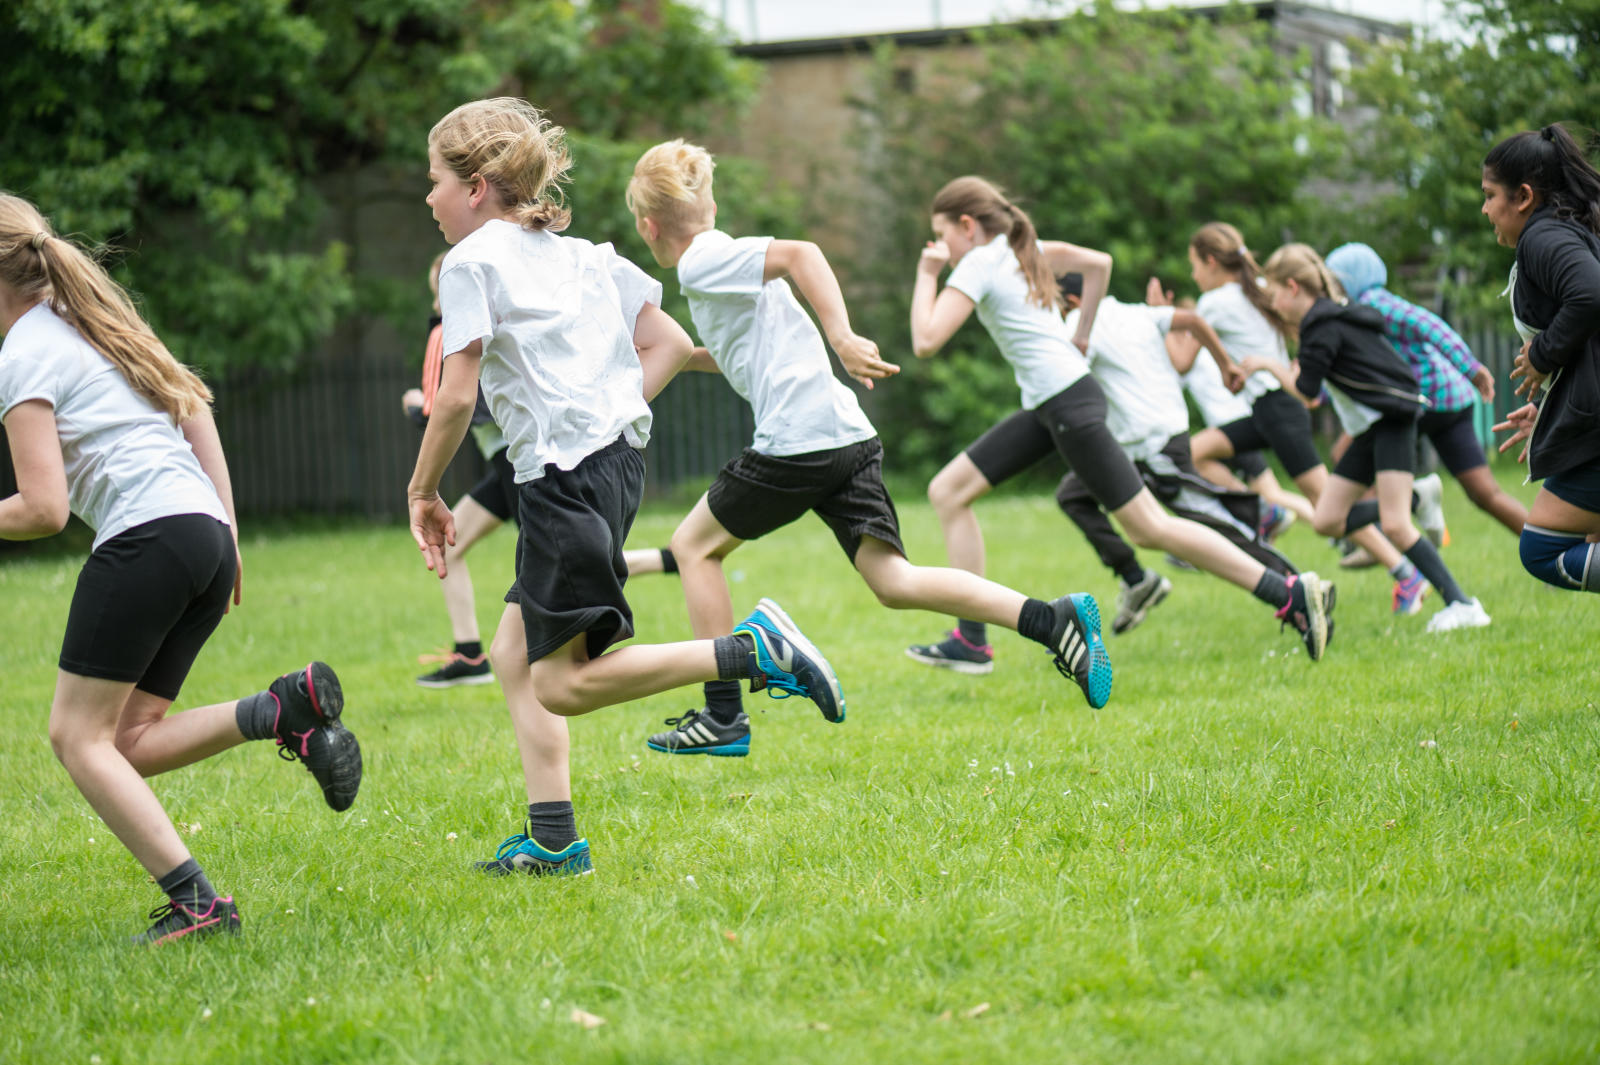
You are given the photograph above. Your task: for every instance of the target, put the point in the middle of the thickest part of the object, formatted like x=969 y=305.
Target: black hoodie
x=1344 y=344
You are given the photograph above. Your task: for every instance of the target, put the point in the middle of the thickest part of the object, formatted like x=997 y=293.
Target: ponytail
x=35 y=263
x=987 y=205
x=1223 y=244
x=1550 y=162
x=1301 y=264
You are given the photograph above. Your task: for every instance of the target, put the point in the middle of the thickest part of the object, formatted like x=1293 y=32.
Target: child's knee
x=1560 y=559
x=1327 y=523
x=507 y=652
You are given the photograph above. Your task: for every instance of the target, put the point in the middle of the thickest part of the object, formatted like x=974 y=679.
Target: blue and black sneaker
x=523 y=854
x=697 y=732
x=1079 y=653
x=790 y=664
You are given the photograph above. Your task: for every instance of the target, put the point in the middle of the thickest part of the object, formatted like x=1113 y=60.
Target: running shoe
x=1466 y=615
x=308 y=730
x=1409 y=594
x=458 y=671
x=1275 y=521
x=1310 y=610
x=520 y=853
x=791 y=664
x=1076 y=647
x=1134 y=601
x=697 y=732
x=1430 y=509
x=174 y=920
x=956 y=653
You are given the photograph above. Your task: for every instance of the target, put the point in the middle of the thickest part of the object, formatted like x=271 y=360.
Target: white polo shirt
x=768 y=348
x=556 y=315
x=1245 y=332
x=1128 y=357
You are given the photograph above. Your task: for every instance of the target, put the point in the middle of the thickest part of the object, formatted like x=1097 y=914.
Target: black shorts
x=147 y=600
x=1455 y=437
x=1073 y=425
x=496 y=492
x=1580 y=487
x=1281 y=422
x=756 y=494
x=1388 y=444
x=1249 y=465
x=570 y=569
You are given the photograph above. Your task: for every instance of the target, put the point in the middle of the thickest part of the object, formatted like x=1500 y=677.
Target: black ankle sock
x=188 y=885
x=551 y=824
x=1131 y=574
x=1361 y=515
x=974 y=632
x=470 y=649
x=1036 y=621
x=255 y=716
x=1426 y=558
x=669 y=564
x=735 y=656
x=724 y=703
x=1272 y=590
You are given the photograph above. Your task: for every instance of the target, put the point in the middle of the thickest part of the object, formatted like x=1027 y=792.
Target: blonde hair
x=1223 y=244
x=1301 y=264
x=998 y=216
x=511 y=145
x=671 y=184
x=35 y=263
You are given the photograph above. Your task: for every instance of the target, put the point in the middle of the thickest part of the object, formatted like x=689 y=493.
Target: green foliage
x=1441 y=103
x=209 y=137
x=1117 y=130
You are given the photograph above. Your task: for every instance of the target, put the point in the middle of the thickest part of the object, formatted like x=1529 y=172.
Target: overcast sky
x=777 y=20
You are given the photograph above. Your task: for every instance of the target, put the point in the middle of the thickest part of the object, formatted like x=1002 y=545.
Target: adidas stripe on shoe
x=1076 y=648
x=697 y=732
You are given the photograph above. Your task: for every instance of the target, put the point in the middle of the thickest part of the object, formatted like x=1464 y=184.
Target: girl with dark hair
x=1542 y=196
x=1004 y=272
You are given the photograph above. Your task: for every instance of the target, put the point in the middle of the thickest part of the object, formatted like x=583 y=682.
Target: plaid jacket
x=1443 y=363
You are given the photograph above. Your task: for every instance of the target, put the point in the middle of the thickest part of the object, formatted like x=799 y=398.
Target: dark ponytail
x=1550 y=162
x=987 y=205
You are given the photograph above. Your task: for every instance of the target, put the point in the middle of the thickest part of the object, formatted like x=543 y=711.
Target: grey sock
x=552 y=825
x=188 y=885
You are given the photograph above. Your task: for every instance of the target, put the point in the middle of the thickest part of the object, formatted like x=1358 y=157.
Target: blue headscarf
x=1358 y=268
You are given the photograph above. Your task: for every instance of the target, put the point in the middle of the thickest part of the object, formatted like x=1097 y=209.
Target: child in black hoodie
x=1378 y=404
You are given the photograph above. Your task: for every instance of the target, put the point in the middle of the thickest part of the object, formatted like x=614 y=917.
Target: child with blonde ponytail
x=103 y=422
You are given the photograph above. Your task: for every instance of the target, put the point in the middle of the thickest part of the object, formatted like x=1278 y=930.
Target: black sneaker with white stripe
x=697 y=732
x=1079 y=653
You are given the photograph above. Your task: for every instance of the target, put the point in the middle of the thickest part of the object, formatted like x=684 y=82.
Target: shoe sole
x=1098 y=690
x=1154 y=600
x=344 y=756
x=791 y=632
x=1320 y=597
x=954 y=665
x=726 y=750
x=458 y=682
x=325 y=691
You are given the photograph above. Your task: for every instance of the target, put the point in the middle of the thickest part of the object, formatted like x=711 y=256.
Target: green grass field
x=1388 y=856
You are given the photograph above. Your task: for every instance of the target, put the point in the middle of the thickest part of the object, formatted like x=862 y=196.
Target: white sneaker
x=1135 y=600
x=1468 y=615
x=1430 y=508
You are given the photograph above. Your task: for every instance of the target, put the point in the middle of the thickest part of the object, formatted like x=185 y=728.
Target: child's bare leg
x=569 y=682
x=1148 y=525
x=700 y=543
x=900 y=585
x=154 y=743
x=952 y=492
x=473 y=522
x=542 y=738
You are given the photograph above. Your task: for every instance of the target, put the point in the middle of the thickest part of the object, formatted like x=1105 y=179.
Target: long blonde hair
x=1301 y=264
x=35 y=263
x=1225 y=245
x=671 y=184
x=988 y=206
x=511 y=145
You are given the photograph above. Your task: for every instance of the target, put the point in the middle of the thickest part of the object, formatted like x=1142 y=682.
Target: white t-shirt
x=1128 y=357
x=1245 y=332
x=126 y=462
x=1033 y=339
x=768 y=348
x=556 y=315
x=1217 y=405
x=1355 y=417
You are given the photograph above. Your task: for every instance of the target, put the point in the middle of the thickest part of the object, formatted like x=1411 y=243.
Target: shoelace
x=162 y=912
x=684 y=721
x=509 y=844
x=443 y=656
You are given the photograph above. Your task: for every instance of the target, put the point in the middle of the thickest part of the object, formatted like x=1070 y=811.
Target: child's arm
x=664 y=348
x=1095 y=266
x=39 y=507
x=201 y=433
x=804 y=262
x=700 y=361
x=1284 y=374
x=1182 y=349
x=1196 y=326
x=432 y=525
x=1413 y=324
x=935 y=315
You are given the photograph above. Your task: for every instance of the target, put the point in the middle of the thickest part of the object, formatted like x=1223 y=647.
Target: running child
x=1002 y=270
x=1376 y=398
x=814 y=450
x=1542 y=197
x=570 y=342
x=1146 y=415
x=103 y=422
x=1236 y=305
x=1446 y=375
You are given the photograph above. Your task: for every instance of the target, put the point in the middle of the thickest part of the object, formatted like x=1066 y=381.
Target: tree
x=201 y=136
